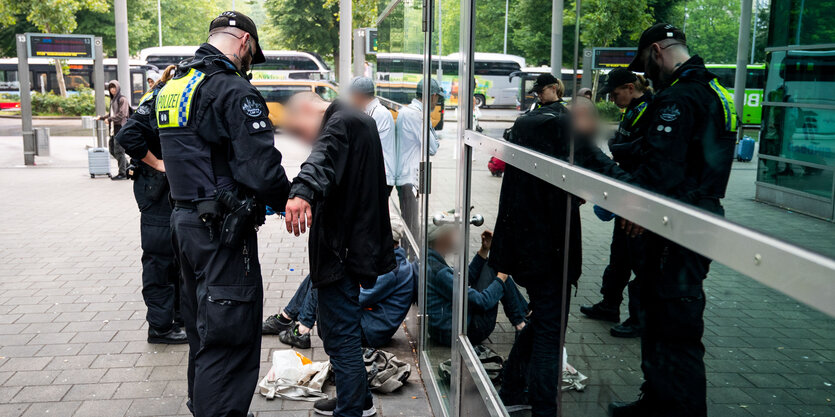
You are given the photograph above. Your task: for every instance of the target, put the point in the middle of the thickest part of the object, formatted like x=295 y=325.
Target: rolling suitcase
x=99 y=161
x=745 y=149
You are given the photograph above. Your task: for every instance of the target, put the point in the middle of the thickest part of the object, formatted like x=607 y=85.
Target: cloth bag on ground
x=294 y=377
x=386 y=373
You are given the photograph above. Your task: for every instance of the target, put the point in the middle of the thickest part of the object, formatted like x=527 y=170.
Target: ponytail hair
x=167 y=74
x=641 y=84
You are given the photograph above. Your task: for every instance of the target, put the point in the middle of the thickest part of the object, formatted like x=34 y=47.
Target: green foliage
x=713 y=29
x=603 y=22
x=9 y=97
x=50 y=103
x=50 y=16
x=608 y=110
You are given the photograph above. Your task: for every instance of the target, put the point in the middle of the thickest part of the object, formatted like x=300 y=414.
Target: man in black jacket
x=687 y=153
x=220 y=154
x=341 y=195
x=529 y=244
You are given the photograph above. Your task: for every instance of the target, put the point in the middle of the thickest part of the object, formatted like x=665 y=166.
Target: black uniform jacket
x=344 y=179
x=231 y=116
x=529 y=238
x=139 y=134
x=687 y=151
x=625 y=146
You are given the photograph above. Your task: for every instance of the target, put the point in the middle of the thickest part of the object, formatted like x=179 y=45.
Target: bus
x=280 y=65
x=527 y=77
x=79 y=75
x=398 y=75
x=754 y=84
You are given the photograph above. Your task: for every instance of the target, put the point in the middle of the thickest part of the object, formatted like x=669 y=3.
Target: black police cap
x=243 y=22
x=543 y=80
x=655 y=33
x=616 y=78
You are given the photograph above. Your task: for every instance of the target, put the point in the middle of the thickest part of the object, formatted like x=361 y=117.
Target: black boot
x=175 y=336
x=628 y=329
x=276 y=324
x=637 y=408
x=602 y=311
x=293 y=338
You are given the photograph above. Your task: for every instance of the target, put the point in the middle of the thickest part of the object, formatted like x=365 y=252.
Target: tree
x=713 y=29
x=50 y=16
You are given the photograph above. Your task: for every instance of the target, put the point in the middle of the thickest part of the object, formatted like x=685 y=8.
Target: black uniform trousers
x=672 y=310
x=623 y=255
x=222 y=304
x=160 y=278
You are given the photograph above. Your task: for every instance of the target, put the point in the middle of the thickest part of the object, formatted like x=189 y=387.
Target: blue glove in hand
x=270 y=211
x=603 y=214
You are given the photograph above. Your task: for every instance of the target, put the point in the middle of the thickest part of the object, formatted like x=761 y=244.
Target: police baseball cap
x=655 y=33
x=362 y=85
x=616 y=78
x=243 y=22
x=434 y=87
x=542 y=81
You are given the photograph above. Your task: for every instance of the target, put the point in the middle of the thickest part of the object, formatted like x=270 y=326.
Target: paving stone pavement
x=72 y=321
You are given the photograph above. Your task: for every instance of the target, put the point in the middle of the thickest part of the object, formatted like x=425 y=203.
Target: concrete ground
x=72 y=320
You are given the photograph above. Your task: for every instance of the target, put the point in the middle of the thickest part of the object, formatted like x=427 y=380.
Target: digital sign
x=608 y=58
x=42 y=45
x=371 y=41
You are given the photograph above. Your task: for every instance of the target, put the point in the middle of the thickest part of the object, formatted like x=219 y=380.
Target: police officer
x=160 y=278
x=687 y=155
x=219 y=155
x=630 y=92
x=548 y=90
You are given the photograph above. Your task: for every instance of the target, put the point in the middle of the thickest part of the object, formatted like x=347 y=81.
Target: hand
x=295 y=213
x=631 y=229
x=158 y=165
x=502 y=276
x=486 y=242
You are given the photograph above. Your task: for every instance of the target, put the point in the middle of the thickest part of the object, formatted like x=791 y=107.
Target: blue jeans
x=341 y=333
x=534 y=360
x=302 y=306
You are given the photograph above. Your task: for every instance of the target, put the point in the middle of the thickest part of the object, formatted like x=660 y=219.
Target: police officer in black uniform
x=630 y=92
x=687 y=155
x=548 y=90
x=222 y=167
x=160 y=277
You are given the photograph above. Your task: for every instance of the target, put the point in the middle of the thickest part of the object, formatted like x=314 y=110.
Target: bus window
x=280 y=93
x=77 y=81
x=288 y=63
x=137 y=81
x=327 y=93
x=725 y=75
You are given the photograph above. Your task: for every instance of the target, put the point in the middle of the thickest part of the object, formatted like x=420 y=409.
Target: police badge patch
x=144 y=109
x=669 y=113
x=251 y=106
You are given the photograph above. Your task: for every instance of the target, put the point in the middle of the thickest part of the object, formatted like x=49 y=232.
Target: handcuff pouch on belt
x=156 y=183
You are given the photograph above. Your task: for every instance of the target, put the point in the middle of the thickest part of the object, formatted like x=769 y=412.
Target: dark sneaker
x=276 y=324
x=628 y=329
x=326 y=407
x=637 y=408
x=602 y=311
x=292 y=337
x=175 y=336
x=516 y=403
x=119 y=177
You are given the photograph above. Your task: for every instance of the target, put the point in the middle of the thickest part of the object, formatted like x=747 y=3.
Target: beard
x=653 y=72
x=246 y=63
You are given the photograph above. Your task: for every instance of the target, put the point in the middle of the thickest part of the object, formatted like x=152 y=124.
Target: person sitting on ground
x=486 y=290
x=384 y=306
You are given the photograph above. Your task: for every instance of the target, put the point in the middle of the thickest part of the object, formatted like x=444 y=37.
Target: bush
x=79 y=104
x=608 y=111
x=9 y=97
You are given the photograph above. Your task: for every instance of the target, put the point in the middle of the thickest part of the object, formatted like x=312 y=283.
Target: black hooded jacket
x=344 y=180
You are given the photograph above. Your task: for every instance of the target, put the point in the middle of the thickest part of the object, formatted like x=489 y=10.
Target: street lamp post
x=159 y=21
x=506 y=10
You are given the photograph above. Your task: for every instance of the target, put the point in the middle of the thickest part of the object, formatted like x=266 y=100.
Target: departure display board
x=44 y=45
x=608 y=58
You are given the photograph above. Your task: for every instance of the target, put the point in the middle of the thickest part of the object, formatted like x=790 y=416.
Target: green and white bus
x=754 y=84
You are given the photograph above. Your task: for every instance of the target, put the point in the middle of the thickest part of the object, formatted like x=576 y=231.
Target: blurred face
x=433 y=100
x=303 y=121
x=622 y=95
x=445 y=244
x=112 y=90
x=359 y=101
x=583 y=119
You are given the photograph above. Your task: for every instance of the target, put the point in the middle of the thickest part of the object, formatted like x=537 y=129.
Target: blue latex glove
x=603 y=214
x=270 y=211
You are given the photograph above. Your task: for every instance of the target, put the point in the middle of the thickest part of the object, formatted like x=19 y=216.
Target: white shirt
x=407 y=137
x=385 y=126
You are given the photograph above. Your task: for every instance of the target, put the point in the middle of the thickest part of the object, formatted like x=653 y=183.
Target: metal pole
x=506 y=11
x=29 y=145
x=440 y=72
x=741 y=58
x=159 y=21
x=345 y=18
x=359 y=52
x=754 y=31
x=556 y=37
x=98 y=85
x=122 y=50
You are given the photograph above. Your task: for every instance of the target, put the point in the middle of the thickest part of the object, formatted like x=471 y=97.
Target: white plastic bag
x=571 y=377
x=294 y=377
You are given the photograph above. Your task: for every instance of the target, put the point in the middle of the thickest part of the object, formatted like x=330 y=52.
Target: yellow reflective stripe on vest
x=727 y=104
x=174 y=100
x=641 y=109
x=147 y=96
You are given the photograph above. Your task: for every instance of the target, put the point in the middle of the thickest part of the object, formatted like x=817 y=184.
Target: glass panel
x=800 y=177
x=801 y=22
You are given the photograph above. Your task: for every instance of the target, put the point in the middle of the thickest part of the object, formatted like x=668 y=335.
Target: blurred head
x=434 y=92
x=661 y=49
x=361 y=92
x=585 y=92
x=235 y=34
x=303 y=115
x=548 y=88
x=584 y=116
x=442 y=238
